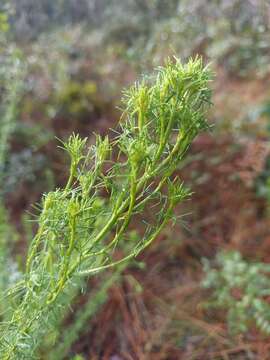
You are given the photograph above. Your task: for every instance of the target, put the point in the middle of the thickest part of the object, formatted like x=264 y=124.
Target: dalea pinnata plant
x=81 y=225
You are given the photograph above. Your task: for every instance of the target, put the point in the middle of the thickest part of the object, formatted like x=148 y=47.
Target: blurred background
x=64 y=64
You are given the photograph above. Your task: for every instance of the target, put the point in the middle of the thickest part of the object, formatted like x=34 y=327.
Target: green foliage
x=78 y=357
x=9 y=272
x=44 y=15
x=241 y=288
x=233 y=34
x=11 y=73
x=25 y=166
x=75 y=99
x=262 y=183
x=4 y=26
x=11 y=80
x=78 y=232
x=67 y=336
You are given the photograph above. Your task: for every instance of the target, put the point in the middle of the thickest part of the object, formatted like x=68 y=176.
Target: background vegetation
x=202 y=290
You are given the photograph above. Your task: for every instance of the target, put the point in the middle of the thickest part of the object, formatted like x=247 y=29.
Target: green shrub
x=76 y=100
x=240 y=288
x=78 y=231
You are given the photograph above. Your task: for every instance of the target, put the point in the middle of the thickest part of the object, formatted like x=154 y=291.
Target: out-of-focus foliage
x=9 y=271
x=4 y=26
x=241 y=288
x=22 y=163
x=11 y=70
x=11 y=73
x=29 y=15
x=103 y=43
x=232 y=32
